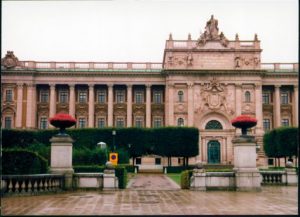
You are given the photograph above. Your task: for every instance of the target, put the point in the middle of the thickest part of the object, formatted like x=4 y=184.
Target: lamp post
x=114 y=135
x=129 y=146
x=103 y=146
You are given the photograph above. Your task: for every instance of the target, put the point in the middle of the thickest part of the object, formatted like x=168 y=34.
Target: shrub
x=20 y=162
x=85 y=156
x=121 y=173
x=129 y=168
x=42 y=149
x=185 y=179
x=123 y=156
x=177 y=169
x=88 y=169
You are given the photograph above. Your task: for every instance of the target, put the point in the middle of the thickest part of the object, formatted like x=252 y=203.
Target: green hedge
x=88 y=169
x=121 y=173
x=21 y=162
x=177 y=169
x=85 y=156
x=185 y=179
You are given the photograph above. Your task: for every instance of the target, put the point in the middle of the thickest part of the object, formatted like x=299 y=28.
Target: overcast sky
x=136 y=30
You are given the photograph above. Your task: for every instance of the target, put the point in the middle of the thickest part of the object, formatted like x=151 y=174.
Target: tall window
x=139 y=97
x=43 y=123
x=266 y=98
x=82 y=97
x=285 y=122
x=81 y=122
x=213 y=125
x=284 y=98
x=101 y=96
x=44 y=96
x=247 y=96
x=63 y=96
x=266 y=124
x=180 y=122
x=180 y=96
x=157 y=122
x=139 y=122
x=101 y=122
x=9 y=95
x=120 y=96
x=8 y=123
x=120 y=122
x=157 y=97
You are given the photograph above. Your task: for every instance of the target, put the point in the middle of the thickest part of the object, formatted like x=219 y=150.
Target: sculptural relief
x=10 y=61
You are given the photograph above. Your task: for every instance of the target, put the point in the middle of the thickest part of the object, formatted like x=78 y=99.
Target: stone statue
x=212 y=28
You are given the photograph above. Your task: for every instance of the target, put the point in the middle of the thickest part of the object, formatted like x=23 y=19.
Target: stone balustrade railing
x=273 y=177
x=31 y=184
x=278 y=67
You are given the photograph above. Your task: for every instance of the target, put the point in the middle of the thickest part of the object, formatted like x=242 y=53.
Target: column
x=148 y=105
x=129 y=105
x=34 y=108
x=29 y=105
x=171 y=104
x=72 y=100
x=238 y=99
x=91 y=105
x=258 y=109
x=277 y=107
x=110 y=105
x=52 y=105
x=190 y=104
x=19 y=105
x=296 y=111
x=166 y=105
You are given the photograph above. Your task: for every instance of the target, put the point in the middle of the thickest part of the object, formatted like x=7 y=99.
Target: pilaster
x=19 y=105
x=110 y=105
x=277 y=106
x=91 y=105
x=129 y=105
x=148 y=105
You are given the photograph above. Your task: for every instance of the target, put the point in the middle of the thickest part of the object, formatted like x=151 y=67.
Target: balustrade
x=273 y=177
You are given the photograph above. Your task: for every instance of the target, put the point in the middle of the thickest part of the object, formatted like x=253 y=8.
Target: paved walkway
x=135 y=201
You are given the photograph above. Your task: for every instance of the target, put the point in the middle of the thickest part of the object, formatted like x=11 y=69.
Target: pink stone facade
x=203 y=83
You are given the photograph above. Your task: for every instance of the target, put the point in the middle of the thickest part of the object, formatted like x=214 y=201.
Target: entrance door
x=213 y=152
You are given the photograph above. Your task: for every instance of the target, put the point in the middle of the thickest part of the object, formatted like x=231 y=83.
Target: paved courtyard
x=145 y=197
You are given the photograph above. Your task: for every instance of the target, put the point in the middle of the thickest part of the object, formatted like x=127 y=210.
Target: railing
x=277 y=67
x=273 y=177
x=31 y=184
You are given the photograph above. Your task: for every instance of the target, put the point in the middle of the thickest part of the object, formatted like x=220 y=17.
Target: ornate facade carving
x=242 y=61
x=10 y=61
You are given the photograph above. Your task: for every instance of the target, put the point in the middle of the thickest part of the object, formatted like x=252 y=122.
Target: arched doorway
x=213 y=152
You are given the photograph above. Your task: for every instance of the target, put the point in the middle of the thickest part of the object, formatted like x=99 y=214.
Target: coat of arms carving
x=9 y=61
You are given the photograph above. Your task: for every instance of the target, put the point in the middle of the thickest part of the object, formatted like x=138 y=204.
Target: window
x=120 y=95
x=9 y=95
x=139 y=122
x=81 y=122
x=213 y=125
x=180 y=96
x=101 y=122
x=120 y=122
x=266 y=124
x=266 y=98
x=138 y=161
x=44 y=96
x=157 y=122
x=247 y=96
x=82 y=97
x=43 y=123
x=284 y=98
x=157 y=97
x=102 y=97
x=63 y=96
x=285 y=122
x=139 y=97
x=157 y=161
x=180 y=122
x=7 y=123
x=270 y=161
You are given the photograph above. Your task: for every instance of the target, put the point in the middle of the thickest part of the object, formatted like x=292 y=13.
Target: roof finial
x=237 y=37
x=255 y=37
x=170 y=37
x=189 y=36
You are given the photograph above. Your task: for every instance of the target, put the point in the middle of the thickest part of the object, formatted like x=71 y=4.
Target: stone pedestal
x=246 y=173
x=291 y=176
x=61 y=158
x=198 y=180
x=110 y=181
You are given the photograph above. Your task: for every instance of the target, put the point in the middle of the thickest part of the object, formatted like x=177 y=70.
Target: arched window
x=247 y=96
x=180 y=96
x=213 y=125
x=180 y=122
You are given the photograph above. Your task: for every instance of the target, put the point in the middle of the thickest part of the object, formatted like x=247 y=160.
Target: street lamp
x=103 y=146
x=114 y=135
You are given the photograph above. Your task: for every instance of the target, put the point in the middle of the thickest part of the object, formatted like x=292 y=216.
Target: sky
x=136 y=30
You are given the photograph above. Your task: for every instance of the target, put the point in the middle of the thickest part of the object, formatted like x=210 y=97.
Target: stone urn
x=62 y=121
x=244 y=122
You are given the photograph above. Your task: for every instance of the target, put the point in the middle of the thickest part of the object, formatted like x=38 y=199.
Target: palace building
x=203 y=83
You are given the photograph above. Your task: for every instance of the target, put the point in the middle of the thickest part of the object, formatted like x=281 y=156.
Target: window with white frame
x=266 y=98
x=43 y=123
x=284 y=98
x=101 y=96
x=44 y=96
x=82 y=96
x=120 y=122
x=180 y=96
x=63 y=96
x=157 y=122
x=120 y=96
x=157 y=97
x=285 y=122
x=266 y=124
x=247 y=96
x=180 y=122
x=81 y=123
x=9 y=95
x=8 y=122
x=138 y=95
x=101 y=122
x=139 y=121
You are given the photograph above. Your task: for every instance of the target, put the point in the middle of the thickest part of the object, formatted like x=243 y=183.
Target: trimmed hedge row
x=21 y=162
x=178 y=169
x=185 y=179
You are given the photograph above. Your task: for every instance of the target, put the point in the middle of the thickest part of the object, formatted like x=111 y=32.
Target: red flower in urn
x=62 y=121
x=244 y=122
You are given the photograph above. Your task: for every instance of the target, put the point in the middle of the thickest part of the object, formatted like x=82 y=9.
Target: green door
x=213 y=152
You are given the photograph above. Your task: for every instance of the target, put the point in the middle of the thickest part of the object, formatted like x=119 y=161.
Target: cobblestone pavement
x=135 y=201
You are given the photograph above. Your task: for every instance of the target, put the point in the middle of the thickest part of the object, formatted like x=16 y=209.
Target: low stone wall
x=88 y=180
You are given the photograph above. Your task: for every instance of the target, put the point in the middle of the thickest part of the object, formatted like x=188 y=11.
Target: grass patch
x=273 y=169
x=175 y=177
